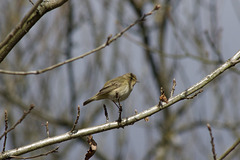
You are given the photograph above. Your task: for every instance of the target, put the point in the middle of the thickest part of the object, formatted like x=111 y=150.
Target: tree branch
x=110 y=39
x=229 y=150
x=37 y=156
x=212 y=142
x=126 y=121
x=38 y=10
x=19 y=121
x=6 y=127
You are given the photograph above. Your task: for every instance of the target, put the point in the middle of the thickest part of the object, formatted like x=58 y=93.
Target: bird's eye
x=131 y=76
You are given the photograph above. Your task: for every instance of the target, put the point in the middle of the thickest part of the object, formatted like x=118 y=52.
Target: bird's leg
x=119 y=108
x=116 y=104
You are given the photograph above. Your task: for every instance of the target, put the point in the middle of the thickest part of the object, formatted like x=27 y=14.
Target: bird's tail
x=88 y=101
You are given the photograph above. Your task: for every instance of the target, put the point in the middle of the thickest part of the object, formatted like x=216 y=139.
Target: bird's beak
x=137 y=81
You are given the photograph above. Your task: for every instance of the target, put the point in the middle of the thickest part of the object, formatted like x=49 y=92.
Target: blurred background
x=185 y=40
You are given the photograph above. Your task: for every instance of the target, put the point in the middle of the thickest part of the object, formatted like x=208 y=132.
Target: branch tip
x=157 y=7
x=173 y=88
x=212 y=142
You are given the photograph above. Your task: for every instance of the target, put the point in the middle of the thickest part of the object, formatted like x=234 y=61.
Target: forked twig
x=40 y=155
x=19 y=121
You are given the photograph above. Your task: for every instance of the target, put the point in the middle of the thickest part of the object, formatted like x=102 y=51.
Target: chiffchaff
x=116 y=89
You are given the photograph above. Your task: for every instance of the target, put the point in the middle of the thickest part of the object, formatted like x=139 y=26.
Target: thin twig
x=6 y=127
x=76 y=121
x=19 y=121
x=224 y=155
x=109 y=41
x=135 y=111
x=173 y=88
x=193 y=96
x=106 y=112
x=212 y=142
x=40 y=155
x=47 y=130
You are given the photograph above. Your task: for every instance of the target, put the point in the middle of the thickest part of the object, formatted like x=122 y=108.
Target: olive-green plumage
x=119 y=87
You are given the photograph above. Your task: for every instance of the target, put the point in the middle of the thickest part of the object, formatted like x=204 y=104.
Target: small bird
x=117 y=89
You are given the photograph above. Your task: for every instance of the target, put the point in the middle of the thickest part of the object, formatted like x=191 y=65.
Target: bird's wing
x=109 y=86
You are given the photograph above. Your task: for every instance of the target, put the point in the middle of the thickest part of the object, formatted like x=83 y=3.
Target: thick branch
x=38 y=10
x=127 y=121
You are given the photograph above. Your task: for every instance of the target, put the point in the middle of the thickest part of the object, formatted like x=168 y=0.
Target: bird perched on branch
x=117 y=89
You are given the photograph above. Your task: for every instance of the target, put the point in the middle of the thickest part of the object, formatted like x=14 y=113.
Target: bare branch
x=76 y=121
x=224 y=155
x=212 y=142
x=126 y=121
x=6 y=127
x=173 y=88
x=193 y=96
x=109 y=41
x=47 y=130
x=31 y=18
x=19 y=121
x=40 y=155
